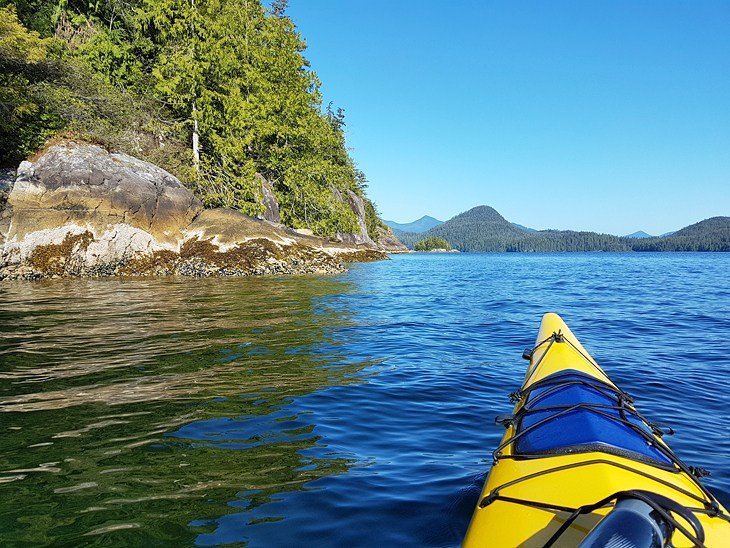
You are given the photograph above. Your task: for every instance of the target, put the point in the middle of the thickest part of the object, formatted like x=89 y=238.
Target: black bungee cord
x=624 y=404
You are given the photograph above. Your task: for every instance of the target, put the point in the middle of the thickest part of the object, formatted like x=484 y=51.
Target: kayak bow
x=575 y=451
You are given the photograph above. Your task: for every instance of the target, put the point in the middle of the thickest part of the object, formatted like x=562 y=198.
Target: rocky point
x=80 y=210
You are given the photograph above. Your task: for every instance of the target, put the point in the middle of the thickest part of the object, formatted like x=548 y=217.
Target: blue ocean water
x=354 y=410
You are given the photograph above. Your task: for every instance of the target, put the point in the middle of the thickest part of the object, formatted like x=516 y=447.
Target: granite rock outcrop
x=80 y=210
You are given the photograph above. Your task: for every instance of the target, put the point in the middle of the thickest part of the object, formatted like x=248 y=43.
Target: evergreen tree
x=213 y=90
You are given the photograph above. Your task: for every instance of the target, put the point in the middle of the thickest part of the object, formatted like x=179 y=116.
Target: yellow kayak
x=579 y=466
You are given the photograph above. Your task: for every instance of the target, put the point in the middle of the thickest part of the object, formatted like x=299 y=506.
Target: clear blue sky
x=611 y=116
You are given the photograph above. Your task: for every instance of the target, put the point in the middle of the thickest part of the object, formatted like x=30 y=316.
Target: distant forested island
x=484 y=229
x=432 y=243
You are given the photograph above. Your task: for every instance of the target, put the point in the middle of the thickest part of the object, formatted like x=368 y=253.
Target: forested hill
x=479 y=228
x=484 y=229
x=214 y=92
x=712 y=234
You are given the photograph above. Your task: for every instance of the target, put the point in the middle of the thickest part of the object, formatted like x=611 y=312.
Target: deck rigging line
x=624 y=407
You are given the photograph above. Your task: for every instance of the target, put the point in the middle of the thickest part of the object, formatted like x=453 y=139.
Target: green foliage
x=113 y=57
x=324 y=212
x=149 y=76
x=432 y=242
x=27 y=116
x=231 y=186
x=45 y=88
x=36 y=15
x=17 y=44
x=239 y=73
x=373 y=222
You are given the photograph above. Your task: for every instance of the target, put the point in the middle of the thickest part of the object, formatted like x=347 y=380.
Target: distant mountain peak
x=482 y=213
x=421 y=225
x=523 y=227
x=427 y=220
x=639 y=234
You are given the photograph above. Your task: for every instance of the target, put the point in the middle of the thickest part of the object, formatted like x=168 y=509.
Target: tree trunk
x=196 y=134
x=196 y=140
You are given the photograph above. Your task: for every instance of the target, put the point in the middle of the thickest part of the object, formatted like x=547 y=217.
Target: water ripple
x=355 y=410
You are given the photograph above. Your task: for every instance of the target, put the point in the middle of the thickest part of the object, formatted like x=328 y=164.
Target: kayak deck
x=572 y=412
x=575 y=439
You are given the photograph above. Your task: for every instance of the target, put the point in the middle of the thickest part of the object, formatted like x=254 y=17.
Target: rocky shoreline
x=80 y=210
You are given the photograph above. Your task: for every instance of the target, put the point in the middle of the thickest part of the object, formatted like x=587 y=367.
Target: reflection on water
x=140 y=409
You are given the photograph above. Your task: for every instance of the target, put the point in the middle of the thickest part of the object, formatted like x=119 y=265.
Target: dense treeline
x=712 y=234
x=483 y=229
x=567 y=240
x=214 y=91
x=430 y=243
x=408 y=239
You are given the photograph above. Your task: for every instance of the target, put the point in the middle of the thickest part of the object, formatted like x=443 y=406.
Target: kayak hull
x=576 y=477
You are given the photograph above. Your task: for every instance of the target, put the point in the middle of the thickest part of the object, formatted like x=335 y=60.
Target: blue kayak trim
x=596 y=425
